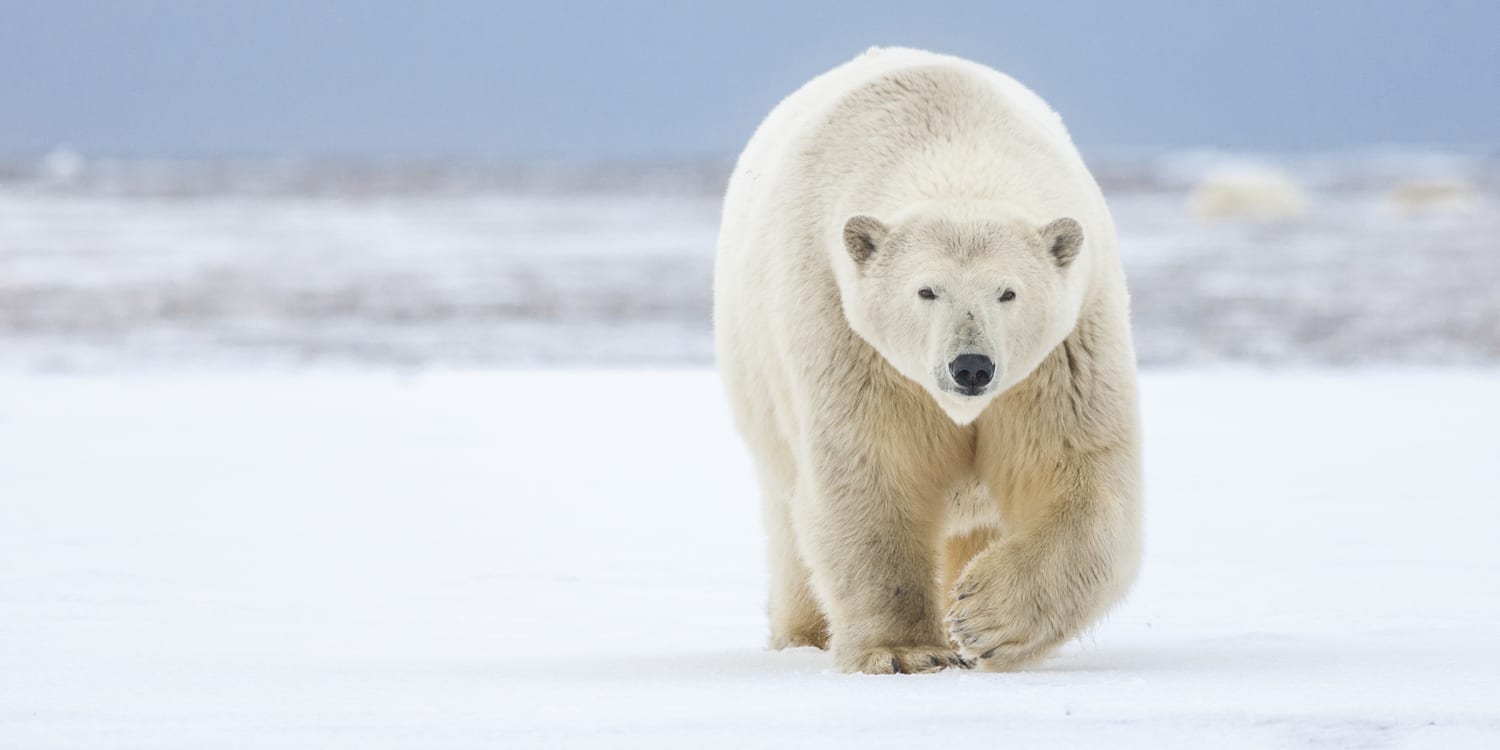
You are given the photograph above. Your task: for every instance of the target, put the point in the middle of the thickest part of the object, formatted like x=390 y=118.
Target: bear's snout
x=972 y=372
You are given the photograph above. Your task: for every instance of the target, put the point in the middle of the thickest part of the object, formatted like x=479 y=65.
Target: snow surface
x=331 y=559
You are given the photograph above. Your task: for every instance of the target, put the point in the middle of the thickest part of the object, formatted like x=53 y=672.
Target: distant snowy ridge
x=1389 y=257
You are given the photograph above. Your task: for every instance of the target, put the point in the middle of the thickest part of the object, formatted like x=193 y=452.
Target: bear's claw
x=902 y=660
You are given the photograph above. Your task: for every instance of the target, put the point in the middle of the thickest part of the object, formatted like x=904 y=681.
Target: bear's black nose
x=972 y=372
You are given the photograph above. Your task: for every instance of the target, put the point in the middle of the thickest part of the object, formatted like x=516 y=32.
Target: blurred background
x=448 y=183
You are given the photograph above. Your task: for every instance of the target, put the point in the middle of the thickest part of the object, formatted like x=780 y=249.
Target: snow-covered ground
x=364 y=559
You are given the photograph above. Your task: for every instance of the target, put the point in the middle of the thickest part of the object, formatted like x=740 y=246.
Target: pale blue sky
x=583 y=82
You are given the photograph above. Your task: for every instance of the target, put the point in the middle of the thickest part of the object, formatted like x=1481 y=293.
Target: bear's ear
x=1064 y=240
x=862 y=234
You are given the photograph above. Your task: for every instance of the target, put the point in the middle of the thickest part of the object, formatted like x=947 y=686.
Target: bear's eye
x=1007 y=295
x=926 y=293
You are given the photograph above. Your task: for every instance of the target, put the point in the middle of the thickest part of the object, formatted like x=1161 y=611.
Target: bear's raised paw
x=1002 y=627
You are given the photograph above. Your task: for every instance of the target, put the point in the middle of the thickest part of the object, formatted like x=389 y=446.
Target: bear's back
x=890 y=128
x=874 y=83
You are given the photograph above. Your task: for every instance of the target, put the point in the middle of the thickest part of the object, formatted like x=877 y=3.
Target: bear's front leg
x=1072 y=555
x=869 y=524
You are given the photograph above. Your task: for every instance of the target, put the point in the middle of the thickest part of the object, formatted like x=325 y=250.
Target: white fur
x=885 y=488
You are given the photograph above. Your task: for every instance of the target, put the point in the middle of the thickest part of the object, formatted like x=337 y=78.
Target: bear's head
x=966 y=300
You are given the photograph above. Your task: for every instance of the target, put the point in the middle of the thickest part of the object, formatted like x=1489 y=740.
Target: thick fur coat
x=892 y=222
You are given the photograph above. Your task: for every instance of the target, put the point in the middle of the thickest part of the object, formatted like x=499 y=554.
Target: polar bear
x=921 y=322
